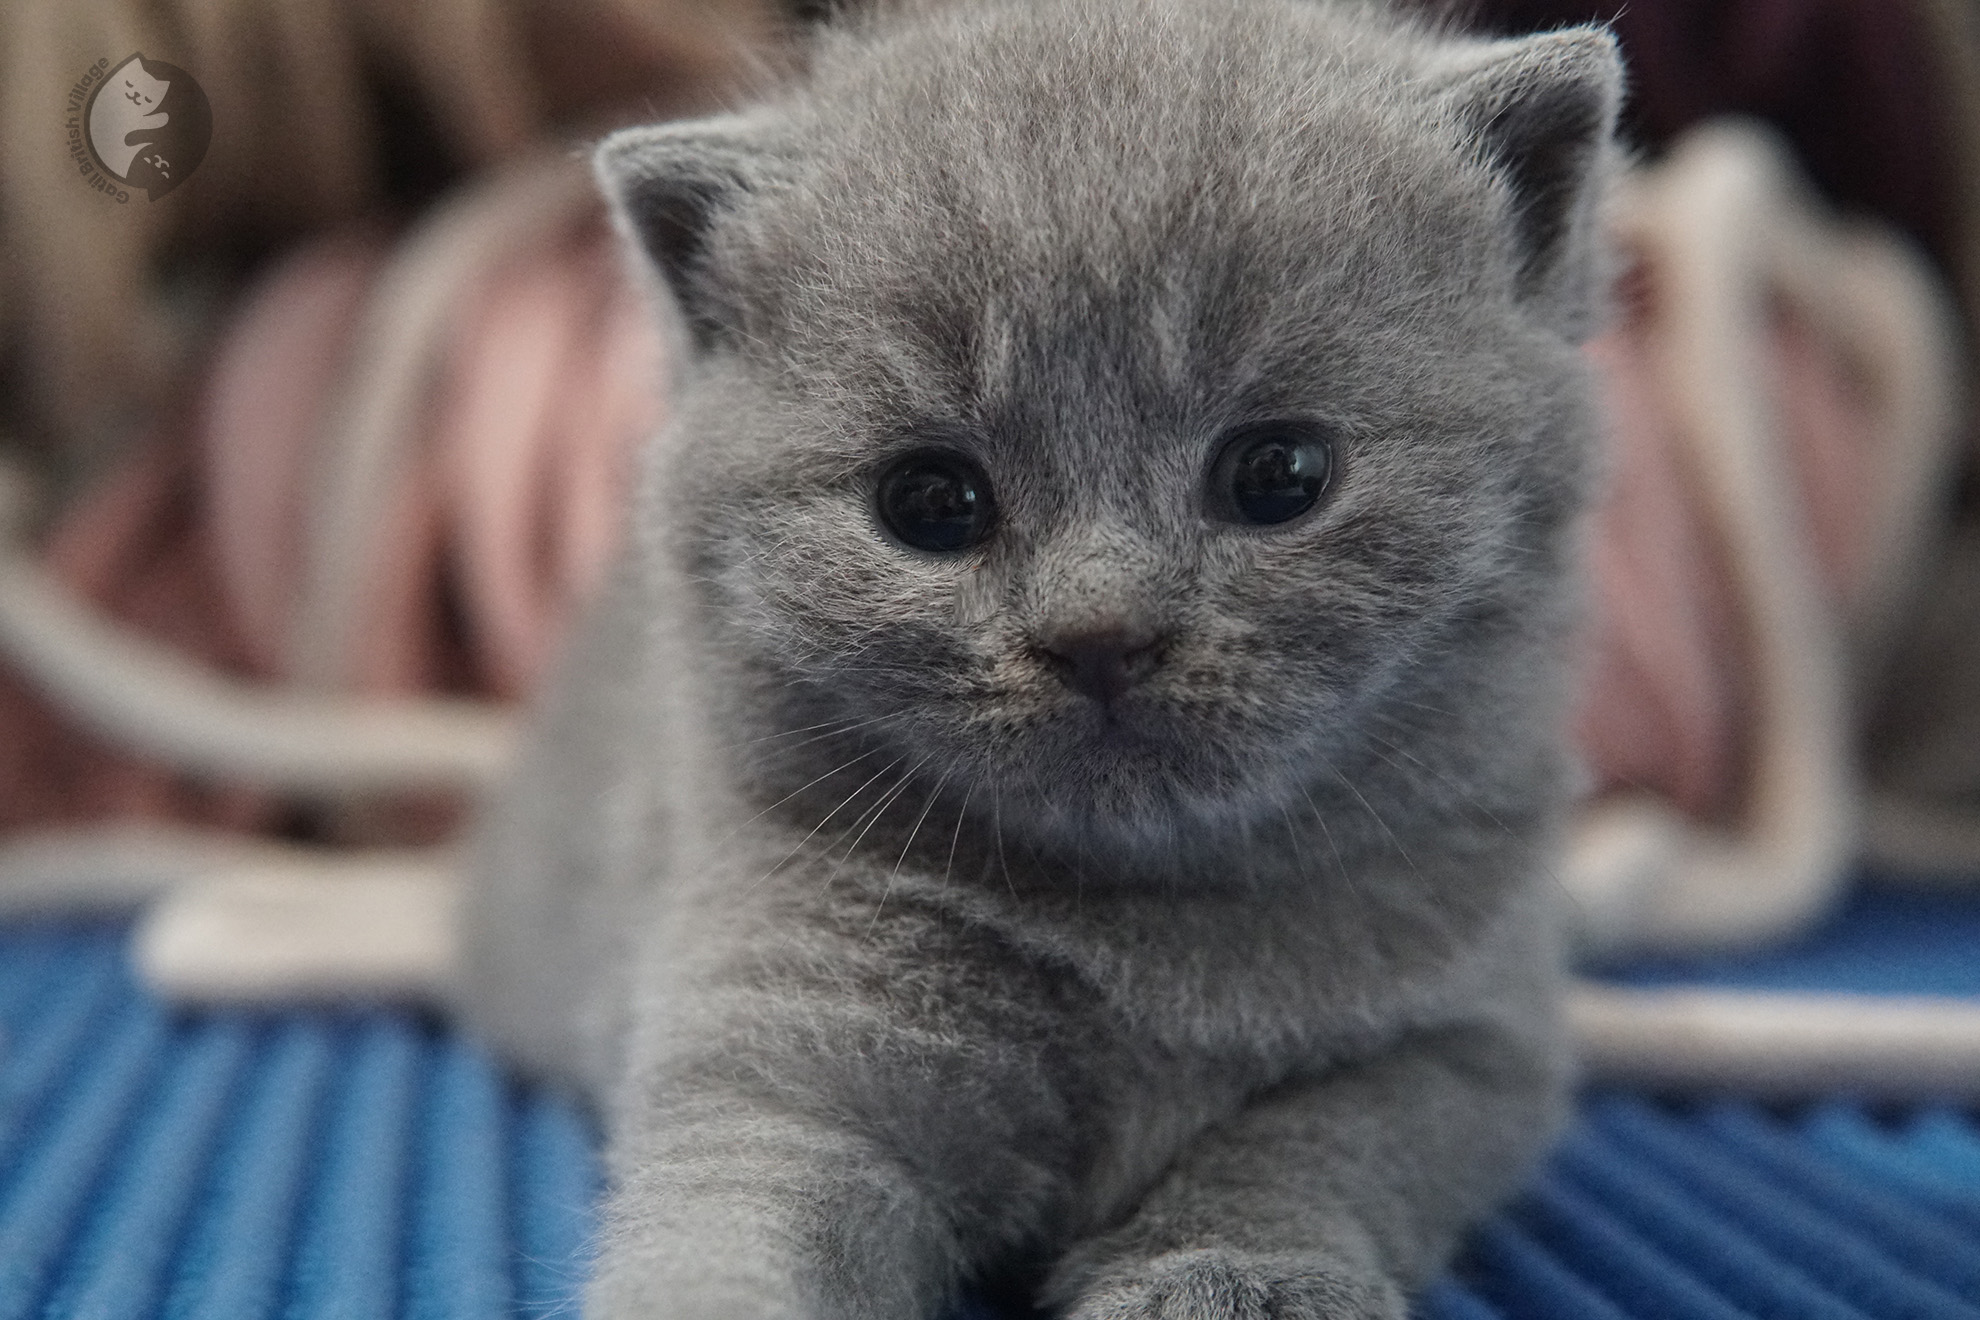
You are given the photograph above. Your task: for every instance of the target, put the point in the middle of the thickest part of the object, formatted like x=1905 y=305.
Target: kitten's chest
x=1259 y=988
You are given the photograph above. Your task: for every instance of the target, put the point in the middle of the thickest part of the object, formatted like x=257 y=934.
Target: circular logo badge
x=149 y=125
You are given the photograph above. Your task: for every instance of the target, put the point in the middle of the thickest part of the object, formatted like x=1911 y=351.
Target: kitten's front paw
x=1227 y=1285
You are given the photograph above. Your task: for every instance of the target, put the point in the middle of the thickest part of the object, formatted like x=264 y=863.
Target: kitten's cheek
x=976 y=598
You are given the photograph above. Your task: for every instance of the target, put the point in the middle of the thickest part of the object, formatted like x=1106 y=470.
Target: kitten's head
x=1117 y=404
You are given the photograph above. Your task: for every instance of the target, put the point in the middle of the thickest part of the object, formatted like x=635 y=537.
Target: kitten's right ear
x=1542 y=111
x=668 y=182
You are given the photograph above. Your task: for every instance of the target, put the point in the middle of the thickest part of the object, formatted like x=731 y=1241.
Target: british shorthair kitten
x=1055 y=797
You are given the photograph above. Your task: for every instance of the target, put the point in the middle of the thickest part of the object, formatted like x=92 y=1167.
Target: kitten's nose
x=1102 y=663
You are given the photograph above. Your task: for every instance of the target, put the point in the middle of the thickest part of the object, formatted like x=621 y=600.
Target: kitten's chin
x=1141 y=782
x=1122 y=792
x=1135 y=835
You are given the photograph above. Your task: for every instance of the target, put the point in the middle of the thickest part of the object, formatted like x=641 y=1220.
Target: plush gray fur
x=893 y=962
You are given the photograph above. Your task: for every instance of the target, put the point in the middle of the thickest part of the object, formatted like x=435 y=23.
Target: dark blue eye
x=1272 y=472
x=936 y=501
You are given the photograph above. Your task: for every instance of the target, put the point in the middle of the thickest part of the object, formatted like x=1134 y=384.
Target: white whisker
x=895 y=874
x=846 y=802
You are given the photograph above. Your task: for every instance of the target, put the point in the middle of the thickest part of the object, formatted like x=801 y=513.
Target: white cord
x=156 y=702
x=1779 y=1044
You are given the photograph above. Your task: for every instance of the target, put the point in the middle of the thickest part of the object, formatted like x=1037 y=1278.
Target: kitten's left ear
x=1543 y=112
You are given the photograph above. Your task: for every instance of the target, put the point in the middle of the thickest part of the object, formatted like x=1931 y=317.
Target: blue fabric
x=1883 y=942
x=237 y=1166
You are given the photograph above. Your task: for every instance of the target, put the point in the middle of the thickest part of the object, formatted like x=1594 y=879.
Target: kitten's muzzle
x=1102 y=663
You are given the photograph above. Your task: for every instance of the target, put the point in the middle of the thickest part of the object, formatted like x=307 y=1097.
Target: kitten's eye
x=937 y=501
x=1272 y=472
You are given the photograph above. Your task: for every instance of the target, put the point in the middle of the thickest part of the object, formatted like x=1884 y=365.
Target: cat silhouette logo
x=147 y=124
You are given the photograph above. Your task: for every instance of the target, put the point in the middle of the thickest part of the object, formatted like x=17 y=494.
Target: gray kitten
x=1055 y=796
